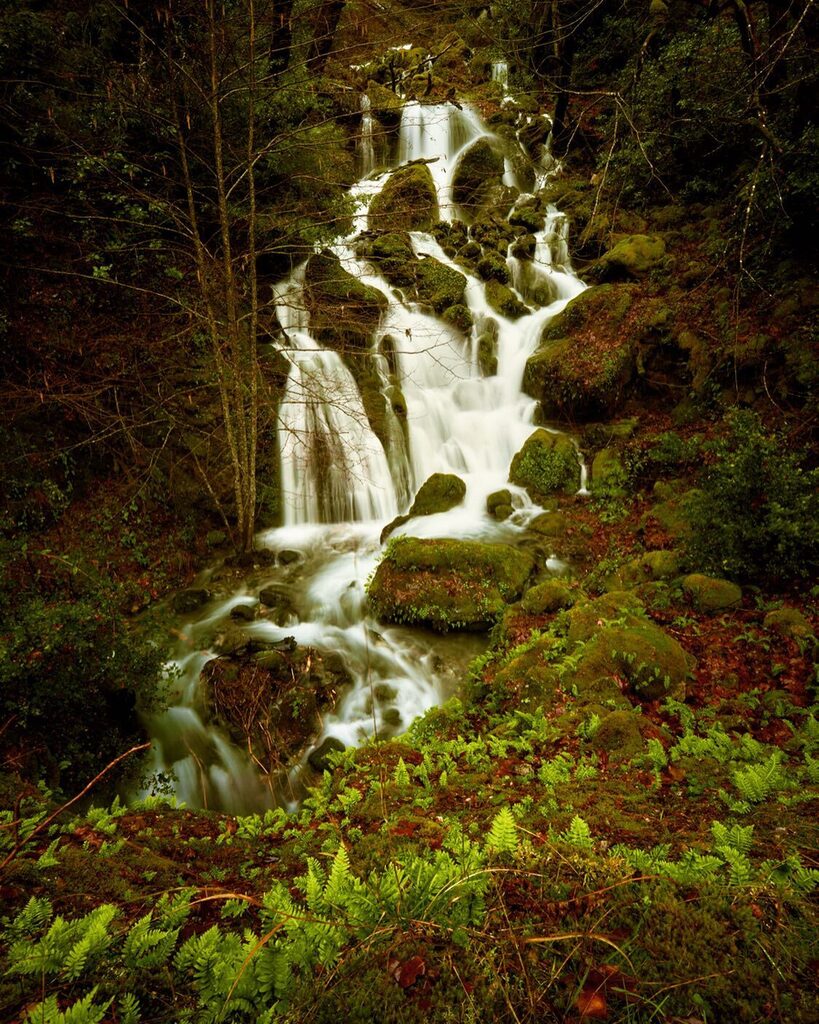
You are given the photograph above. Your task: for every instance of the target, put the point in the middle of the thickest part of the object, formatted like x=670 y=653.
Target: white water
x=339 y=486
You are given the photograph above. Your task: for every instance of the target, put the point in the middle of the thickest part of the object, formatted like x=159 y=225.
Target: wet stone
x=319 y=759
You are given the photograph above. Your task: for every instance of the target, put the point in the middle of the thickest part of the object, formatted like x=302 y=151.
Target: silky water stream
x=334 y=508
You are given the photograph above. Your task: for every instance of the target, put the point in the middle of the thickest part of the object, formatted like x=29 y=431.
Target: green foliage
x=756 y=515
x=503 y=836
x=757 y=782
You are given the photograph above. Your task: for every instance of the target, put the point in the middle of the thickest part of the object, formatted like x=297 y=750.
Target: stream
x=335 y=508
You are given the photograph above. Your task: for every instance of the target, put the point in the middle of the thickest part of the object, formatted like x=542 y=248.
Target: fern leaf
x=503 y=836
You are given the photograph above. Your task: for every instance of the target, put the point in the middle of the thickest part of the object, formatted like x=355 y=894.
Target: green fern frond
x=578 y=834
x=503 y=835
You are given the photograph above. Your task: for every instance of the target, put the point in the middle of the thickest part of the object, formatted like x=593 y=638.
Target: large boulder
x=546 y=598
x=708 y=594
x=632 y=257
x=585 y=357
x=438 y=285
x=504 y=301
x=547 y=464
x=440 y=493
x=344 y=312
x=447 y=584
x=407 y=202
x=392 y=253
x=478 y=171
x=640 y=657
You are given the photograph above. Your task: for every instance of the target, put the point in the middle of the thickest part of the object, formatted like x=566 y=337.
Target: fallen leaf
x=411 y=971
x=591 y=1004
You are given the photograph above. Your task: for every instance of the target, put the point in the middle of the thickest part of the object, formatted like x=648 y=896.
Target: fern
x=129 y=1011
x=503 y=836
x=578 y=834
x=735 y=837
x=84 y=1011
x=656 y=755
x=401 y=776
x=556 y=770
x=146 y=947
x=757 y=782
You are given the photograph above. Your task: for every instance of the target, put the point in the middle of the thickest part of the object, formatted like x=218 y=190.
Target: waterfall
x=366 y=147
x=500 y=73
x=339 y=486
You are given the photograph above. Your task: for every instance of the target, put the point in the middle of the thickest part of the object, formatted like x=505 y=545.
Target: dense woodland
x=613 y=818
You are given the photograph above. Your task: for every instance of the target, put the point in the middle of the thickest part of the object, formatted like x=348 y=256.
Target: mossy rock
x=586 y=616
x=319 y=759
x=524 y=247
x=529 y=214
x=504 y=301
x=601 y=435
x=549 y=524
x=407 y=202
x=708 y=594
x=344 y=312
x=438 y=285
x=447 y=584
x=440 y=493
x=632 y=257
x=488 y=346
x=585 y=358
x=392 y=253
x=546 y=598
x=188 y=601
x=652 y=567
x=384 y=101
x=530 y=678
x=460 y=317
x=788 y=622
x=652 y=664
x=619 y=735
x=492 y=267
x=479 y=168
x=547 y=464
x=499 y=504
x=673 y=515
x=470 y=253
x=608 y=474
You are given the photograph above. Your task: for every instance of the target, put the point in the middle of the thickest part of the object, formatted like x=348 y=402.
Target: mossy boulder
x=673 y=515
x=459 y=316
x=384 y=101
x=547 y=464
x=788 y=622
x=651 y=567
x=492 y=267
x=188 y=601
x=407 y=202
x=504 y=301
x=619 y=735
x=642 y=656
x=545 y=598
x=524 y=247
x=710 y=595
x=392 y=253
x=632 y=257
x=319 y=758
x=529 y=214
x=586 y=617
x=488 y=346
x=440 y=493
x=549 y=524
x=479 y=169
x=447 y=584
x=530 y=679
x=438 y=285
x=343 y=311
x=608 y=474
x=499 y=504
x=586 y=356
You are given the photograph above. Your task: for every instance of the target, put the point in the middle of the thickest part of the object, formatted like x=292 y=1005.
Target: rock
x=608 y=474
x=788 y=622
x=287 y=556
x=187 y=601
x=600 y=435
x=619 y=735
x=547 y=464
x=492 y=267
x=392 y=253
x=279 y=608
x=479 y=168
x=343 y=311
x=524 y=247
x=499 y=504
x=244 y=612
x=529 y=678
x=504 y=301
x=438 y=285
x=673 y=515
x=587 y=617
x=459 y=316
x=407 y=202
x=631 y=257
x=585 y=359
x=440 y=493
x=319 y=759
x=549 y=524
x=546 y=597
x=447 y=584
x=384 y=101
x=529 y=214
x=709 y=595
x=488 y=346
x=651 y=567
x=652 y=664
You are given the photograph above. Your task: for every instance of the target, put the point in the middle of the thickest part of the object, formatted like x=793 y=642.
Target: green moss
x=547 y=464
x=492 y=267
x=343 y=311
x=586 y=616
x=651 y=567
x=608 y=475
x=478 y=169
x=504 y=301
x=447 y=584
x=440 y=493
x=459 y=316
x=488 y=346
x=408 y=201
x=546 y=598
x=393 y=255
x=439 y=285
x=789 y=622
x=619 y=735
x=631 y=257
x=652 y=664
x=708 y=594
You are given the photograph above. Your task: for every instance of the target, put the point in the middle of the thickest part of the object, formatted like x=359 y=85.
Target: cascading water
x=339 y=488
x=366 y=145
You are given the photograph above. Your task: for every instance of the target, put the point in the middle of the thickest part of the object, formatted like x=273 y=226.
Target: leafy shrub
x=757 y=513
